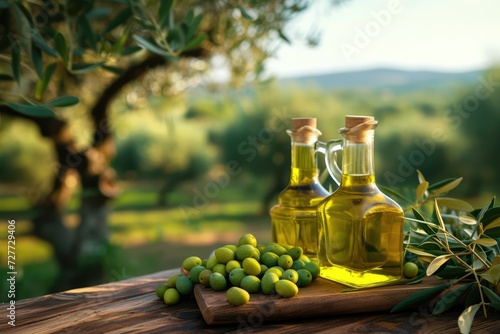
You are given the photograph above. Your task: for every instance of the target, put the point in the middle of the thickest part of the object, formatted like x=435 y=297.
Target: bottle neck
x=304 y=166
x=358 y=161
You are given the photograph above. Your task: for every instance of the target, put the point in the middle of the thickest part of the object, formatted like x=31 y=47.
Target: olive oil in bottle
x=293 y=219
x=360 y=228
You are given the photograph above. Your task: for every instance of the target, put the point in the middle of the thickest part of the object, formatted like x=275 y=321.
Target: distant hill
x=391 y=79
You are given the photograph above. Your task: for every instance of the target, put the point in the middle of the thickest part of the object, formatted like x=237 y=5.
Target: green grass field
x=144 y=237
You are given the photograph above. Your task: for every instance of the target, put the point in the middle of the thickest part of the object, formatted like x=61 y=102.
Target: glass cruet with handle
x=360 y=229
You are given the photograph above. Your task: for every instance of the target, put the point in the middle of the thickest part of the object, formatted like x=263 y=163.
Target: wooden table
x=131 y=306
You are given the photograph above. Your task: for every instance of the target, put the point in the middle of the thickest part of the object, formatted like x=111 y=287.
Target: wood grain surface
x=131 y=306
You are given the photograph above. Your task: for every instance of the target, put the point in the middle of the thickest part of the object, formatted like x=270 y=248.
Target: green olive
x=236 y=275
x=160 y=290
x=305 y=277
x=251 y=266
x=247 y=239
x=250 y=283
x=191 y=262
x=195 y=274
x=218 y=282
x=224 y=255
x=286 y=288
x=204 y=277
x=237 y=296
x=285 y=261
x=171 y=296
x=268 y=283
x=410 y=270
x=184 y=285
x=313 y=268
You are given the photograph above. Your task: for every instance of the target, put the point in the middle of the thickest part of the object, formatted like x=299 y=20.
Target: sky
x=442 y=35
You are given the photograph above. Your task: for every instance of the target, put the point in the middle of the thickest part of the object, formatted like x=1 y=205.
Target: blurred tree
x=257 y=141
x=476 y=115
x=52 y=50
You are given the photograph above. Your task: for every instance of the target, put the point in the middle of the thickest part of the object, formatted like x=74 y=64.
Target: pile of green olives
x=242 y=270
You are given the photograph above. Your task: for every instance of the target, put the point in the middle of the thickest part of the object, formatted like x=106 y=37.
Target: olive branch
x=449 y=239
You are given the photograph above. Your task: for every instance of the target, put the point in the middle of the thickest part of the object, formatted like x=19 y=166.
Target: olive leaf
x=176 y=38
x=438 y=215
x=485 y=242
x=419 y=297
x=86 y=32
x=24 y=24
x=61 y=46
x=421 y=191
x=42 y=44
x=150 y=46
x=417 y=251
x=428 y=244
x=41 y=85
x=479 y=260
x=437 y=263
x=473 y=296
x=130 y=50
x=467 y=220
x=456 y=204
x=195 y=24
x=492 y=296
x=495 y=305
x=425 y=259
x=483 y=211
x=193 y=44
x=81 y=68
x=121 y=17
x=452 y=271
x=451 y=299
x=37 y=60
x=445 y=186
x=31 y=110
x=63 y=101
x=422 y=224
x=466 y=318
x=494 y=224
x=492 y=275
x=421 y=177
x=166 y=13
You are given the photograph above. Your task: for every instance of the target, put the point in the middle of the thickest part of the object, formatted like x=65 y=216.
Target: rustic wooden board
x=321 y=298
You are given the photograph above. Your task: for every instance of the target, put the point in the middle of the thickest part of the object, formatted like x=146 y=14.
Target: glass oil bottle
x=293 y=219
x=360 y=228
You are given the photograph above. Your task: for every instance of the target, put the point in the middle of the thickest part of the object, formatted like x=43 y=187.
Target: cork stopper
x=351 y=121
x=304 y=130
x=297 y=123
x=359 y=129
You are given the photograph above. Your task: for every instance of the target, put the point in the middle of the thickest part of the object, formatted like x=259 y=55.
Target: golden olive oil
x=293 y=219
x=360 y=228
x=361 y=241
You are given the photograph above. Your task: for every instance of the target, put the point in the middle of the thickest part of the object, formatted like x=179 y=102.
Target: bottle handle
x=329 y=150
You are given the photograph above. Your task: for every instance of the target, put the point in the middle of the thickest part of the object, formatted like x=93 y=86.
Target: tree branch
x=99 y=111
x=134 y=72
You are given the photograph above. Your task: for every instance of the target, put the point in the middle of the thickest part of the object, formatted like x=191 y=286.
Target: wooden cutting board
x=321 y=298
